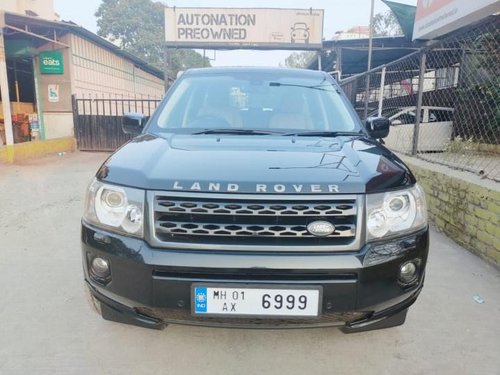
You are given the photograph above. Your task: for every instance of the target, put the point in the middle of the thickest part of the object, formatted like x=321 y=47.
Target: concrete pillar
x=4 y=87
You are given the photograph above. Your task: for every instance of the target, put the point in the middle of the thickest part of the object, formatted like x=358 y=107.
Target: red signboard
x=435 y=18
x=426 y=7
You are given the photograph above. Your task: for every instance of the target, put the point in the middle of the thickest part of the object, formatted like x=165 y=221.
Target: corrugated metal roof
x=20 y=21
x=354 y=53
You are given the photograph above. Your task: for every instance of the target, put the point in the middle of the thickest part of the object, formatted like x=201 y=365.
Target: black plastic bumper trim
x=392 y=317
x=116 y=312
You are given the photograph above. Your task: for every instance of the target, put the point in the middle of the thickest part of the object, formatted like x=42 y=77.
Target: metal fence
x=443 y=100
x=98 y=120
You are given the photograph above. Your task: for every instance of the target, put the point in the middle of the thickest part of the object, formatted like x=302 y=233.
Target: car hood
x=256 y=164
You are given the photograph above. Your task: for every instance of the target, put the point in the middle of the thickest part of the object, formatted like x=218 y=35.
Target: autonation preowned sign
x=244 y=28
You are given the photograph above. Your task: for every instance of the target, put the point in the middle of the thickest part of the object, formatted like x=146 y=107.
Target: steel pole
x=418 y=117
x=381 y=98
x=370 y=47
x=166 y=67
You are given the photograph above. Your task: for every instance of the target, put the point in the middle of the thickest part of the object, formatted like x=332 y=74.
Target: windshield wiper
x=237 y=131
x=324 y=134
x=321 y=86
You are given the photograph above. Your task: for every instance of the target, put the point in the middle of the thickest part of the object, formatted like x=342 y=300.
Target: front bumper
x=152 y=287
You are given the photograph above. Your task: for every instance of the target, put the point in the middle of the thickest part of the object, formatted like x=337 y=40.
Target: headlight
x=392 y=213
x=120 y=209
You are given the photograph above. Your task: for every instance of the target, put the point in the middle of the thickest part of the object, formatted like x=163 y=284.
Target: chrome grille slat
x=214 y=229
x=267 y=209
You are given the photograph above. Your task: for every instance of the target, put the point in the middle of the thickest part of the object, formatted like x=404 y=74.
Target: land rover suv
x=255 y=197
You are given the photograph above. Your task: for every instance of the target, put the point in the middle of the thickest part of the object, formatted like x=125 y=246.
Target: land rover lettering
x=258 y=188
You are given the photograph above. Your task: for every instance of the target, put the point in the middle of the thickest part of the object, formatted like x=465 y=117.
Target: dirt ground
x=47 y=327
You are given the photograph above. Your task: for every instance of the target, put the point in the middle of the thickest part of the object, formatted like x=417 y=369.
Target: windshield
x=273 y=102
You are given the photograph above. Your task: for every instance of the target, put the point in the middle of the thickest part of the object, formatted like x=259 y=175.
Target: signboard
x=53 y=91
x=251 y=28
x=437 y=17
x=51 y=62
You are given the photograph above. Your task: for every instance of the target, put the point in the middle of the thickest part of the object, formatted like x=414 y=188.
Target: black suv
x=255 y=198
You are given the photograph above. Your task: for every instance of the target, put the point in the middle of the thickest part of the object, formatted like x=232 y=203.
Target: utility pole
x=418 y=117
x=370 y=47
x=167 y=65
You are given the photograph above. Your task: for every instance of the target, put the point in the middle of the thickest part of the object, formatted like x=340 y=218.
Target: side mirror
x=133 y=123
x=378 y=127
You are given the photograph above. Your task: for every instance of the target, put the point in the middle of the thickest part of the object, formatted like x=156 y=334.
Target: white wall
x=58 y=125
x=44 y=8
x=8 y=5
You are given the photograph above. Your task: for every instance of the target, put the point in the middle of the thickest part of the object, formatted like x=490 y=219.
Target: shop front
x=35 y=88
x=44 y=65
x=21 y=84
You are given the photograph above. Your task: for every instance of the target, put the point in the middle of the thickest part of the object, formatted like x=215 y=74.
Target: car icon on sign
x=300 y=33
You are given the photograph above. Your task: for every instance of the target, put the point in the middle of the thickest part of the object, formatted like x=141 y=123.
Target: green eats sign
x=51 y=62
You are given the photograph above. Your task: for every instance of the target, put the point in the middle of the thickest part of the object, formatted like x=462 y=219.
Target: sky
x=339 y=15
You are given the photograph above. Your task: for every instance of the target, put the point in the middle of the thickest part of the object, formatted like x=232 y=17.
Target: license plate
x=255 y=301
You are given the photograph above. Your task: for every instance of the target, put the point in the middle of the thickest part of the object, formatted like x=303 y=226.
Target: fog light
x=408 y=273
x=100 y=268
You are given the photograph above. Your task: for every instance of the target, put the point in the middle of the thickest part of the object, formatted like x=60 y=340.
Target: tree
x=299 y=59
x=137 y=26
x=386 y=24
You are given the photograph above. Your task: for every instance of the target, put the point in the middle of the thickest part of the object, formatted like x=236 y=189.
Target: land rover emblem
x=320 y=228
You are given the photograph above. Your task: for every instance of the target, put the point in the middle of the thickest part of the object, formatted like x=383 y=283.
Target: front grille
x=253 y=220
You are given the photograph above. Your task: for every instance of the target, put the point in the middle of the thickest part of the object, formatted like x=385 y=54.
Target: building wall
x=465 y=207
x=89 y=70
x=97 y=71
x=9 y=5
x=57 y=117
x=31 y=150
x=44 y=8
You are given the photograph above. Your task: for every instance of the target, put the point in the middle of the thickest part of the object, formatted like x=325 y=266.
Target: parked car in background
x=436 y=128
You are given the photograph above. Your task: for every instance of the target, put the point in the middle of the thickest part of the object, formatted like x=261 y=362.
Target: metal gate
x=98 y=120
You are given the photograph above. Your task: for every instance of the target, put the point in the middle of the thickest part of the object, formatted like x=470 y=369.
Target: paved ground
x=46 y=325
